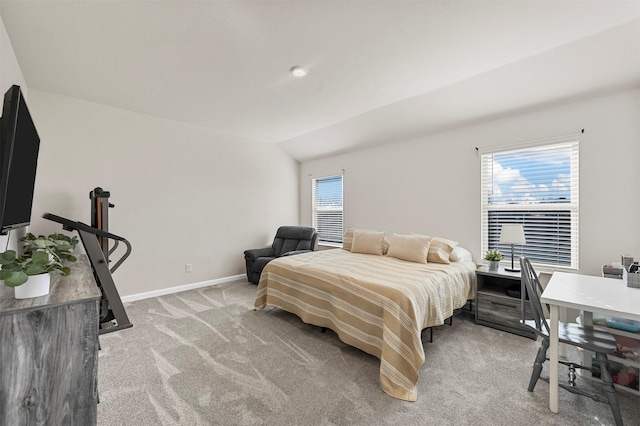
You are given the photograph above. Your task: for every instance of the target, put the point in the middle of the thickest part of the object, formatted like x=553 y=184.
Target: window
x=327 y=209
x=536 y=186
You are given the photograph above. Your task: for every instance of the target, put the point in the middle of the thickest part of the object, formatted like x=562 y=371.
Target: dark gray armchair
x=289 y=240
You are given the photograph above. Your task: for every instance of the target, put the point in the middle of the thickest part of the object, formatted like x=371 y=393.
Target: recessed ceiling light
x=299 y=71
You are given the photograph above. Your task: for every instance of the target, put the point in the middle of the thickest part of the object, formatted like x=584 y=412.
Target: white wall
x=431 y=184
x=10 y=72
x=182 y=194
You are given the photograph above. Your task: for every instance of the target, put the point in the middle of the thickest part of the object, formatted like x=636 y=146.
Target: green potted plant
x=39 y=256
x=494 y=257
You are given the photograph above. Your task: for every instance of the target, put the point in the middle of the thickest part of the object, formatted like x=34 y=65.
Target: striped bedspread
x=378 y=304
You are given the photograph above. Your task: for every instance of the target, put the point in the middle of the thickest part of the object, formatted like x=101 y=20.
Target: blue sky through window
x=329 y=192
x=531 y=176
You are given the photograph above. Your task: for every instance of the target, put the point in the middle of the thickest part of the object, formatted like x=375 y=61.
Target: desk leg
x=553 y=360
x=587 y=321
x=562 y=348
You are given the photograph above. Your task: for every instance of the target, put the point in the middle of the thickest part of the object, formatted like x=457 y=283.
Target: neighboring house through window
x=327 y=209
x=535 y=185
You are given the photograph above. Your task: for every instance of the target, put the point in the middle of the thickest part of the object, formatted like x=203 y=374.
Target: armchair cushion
x=290 y=238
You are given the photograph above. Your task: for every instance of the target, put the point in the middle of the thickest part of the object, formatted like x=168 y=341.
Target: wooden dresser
x=49 y=352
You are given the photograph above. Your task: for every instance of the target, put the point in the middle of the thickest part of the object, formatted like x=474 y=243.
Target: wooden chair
x=587 y=338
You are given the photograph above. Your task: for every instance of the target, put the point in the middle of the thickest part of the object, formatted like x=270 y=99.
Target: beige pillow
x=367 y=242
x=413 y=248
x=347 y=241
x=385 y=246
x=440 y=250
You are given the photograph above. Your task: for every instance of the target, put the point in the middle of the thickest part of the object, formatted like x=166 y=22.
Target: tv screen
x=19 y=146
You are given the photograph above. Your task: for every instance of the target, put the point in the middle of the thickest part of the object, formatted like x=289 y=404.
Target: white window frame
x=330 y=230
x=526 y=213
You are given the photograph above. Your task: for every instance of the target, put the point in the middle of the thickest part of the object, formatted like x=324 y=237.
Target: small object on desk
x=633 y=280
x=626 y=260
x=611 y=271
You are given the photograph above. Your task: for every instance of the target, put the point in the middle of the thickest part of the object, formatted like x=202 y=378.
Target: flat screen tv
x=19 y=146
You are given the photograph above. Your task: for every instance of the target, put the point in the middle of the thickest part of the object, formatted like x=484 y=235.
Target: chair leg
x=610 y=390
x=541 y=356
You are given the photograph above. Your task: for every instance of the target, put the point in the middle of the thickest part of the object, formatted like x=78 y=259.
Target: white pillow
x=440 y=250
x=413 y=248
x=367 y=242
x=460 y=254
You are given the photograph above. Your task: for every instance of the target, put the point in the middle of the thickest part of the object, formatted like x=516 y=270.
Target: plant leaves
x=7 y=257
x=13 y=267
x=40 y=257
x=35 y=269
x=15 y=279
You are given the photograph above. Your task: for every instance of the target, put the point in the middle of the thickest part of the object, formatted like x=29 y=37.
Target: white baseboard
x=178 y=289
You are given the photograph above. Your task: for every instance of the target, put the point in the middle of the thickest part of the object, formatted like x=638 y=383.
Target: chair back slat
x=534 y=289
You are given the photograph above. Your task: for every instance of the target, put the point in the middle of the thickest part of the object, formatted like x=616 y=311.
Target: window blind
x=327 y=209
x=536 y=187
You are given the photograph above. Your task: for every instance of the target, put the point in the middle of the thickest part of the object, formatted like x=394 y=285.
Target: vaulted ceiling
x=379 y=71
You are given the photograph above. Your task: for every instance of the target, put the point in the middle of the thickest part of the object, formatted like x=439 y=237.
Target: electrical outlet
x=188 y=267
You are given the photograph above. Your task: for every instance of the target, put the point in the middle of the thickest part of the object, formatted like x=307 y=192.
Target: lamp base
x=513 y=268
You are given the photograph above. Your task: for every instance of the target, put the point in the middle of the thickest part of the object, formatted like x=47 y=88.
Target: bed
x=377 y=303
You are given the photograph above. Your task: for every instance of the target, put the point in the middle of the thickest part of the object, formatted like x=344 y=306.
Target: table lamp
x=512 y=234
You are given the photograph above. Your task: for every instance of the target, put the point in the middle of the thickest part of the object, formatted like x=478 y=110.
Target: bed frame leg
x=430 y=334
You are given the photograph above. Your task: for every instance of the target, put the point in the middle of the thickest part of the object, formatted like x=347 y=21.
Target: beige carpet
x=204 y=357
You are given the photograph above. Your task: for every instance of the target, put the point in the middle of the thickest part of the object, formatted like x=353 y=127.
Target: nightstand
x=494 y=307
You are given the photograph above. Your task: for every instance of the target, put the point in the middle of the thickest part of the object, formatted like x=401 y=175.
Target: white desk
x=585 y=293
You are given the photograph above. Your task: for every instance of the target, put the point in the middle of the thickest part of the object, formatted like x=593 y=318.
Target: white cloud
x=511 y=181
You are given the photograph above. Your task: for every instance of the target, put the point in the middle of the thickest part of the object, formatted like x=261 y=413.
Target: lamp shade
x=512 y=234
